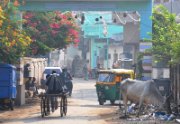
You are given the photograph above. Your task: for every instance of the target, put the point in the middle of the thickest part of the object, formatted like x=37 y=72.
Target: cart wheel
x=61 y=106
x=11 y=104
x=46 y=106
x=42 y=107
x=112 y=102
x=65 y=105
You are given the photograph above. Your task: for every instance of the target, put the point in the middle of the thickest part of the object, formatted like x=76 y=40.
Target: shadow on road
x=38 y=119
x=100 y=106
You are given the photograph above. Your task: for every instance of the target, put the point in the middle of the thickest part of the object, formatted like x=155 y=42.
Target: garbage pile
x=151 y=113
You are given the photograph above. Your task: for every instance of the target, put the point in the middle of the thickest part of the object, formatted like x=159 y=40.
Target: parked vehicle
x=108 y=84
x=7 y=85
x=125 y=63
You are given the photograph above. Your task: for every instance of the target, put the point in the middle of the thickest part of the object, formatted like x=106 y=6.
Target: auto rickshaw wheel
x=112 y=102
x=101 y=102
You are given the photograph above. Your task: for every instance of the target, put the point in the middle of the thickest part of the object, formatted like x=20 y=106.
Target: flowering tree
x=13 y=41
x=50 y=30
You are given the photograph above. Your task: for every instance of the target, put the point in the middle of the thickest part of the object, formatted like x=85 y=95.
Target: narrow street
x=83 y=108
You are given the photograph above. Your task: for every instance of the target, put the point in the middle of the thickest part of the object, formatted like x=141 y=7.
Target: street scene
x=89 y=61
x=83 y=108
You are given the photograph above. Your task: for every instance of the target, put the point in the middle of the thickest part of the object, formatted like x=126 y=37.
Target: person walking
x=66 y=77
x=85 y=70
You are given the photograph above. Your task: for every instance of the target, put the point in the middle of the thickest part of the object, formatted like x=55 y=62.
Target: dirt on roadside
x=112 y=116
x=32 y=106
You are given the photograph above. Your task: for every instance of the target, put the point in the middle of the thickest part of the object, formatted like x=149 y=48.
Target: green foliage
x=165 y=36
x=13 y=41
x=37 y=48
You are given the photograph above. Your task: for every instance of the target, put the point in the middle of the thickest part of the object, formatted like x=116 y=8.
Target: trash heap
x=151 y=113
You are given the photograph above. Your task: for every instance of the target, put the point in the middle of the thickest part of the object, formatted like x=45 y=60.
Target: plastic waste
x=178 y=120
x=146 y=117
x=131 y=108
x=134 y=119
x=171 y=117
x=158 y=114
x=164 y=117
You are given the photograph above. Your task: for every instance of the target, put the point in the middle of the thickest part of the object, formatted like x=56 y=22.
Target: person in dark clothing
x=28 y=83
x=47 y=76
x=33 y=86
x=54 y=86
x=54 y=83
x=85 y=70
x=66 y=78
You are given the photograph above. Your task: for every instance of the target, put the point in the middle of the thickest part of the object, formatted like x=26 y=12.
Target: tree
x=51 y=30
x=165 y=36
x=13 y=41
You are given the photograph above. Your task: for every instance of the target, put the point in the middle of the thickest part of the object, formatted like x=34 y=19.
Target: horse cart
x=51 y=102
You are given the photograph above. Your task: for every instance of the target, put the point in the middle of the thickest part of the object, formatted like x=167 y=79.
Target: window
x=105 y=77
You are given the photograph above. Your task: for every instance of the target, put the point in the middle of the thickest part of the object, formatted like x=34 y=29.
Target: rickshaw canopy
x=117 y=71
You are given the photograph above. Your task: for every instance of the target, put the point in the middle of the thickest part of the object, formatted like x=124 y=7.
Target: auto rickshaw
x=108 y=84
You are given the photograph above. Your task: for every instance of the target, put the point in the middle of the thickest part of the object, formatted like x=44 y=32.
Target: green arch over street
x=144 y=7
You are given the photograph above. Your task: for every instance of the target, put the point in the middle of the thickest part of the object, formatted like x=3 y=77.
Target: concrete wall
x=160 y=73
x=36 y=67
x=131 y=33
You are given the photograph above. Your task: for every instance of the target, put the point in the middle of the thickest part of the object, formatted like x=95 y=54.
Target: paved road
x=83 y=108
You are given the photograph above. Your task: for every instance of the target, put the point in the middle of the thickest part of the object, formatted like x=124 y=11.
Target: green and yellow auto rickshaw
x=108 y=84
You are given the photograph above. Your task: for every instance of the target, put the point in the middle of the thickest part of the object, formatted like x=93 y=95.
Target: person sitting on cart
x=54 y=86
x=66 y=78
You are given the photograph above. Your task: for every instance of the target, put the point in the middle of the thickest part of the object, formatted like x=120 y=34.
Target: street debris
x=163 y=116
x=131 y=108
x=178 y=120
x=149 y=113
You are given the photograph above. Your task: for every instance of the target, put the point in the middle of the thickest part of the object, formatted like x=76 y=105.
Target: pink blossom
x=76 y=40
x=73 y=32
x=54 y=25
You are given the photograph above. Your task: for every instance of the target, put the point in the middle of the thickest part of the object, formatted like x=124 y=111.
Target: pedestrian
x=66 y=77
x=33 y=86
x=98 y=66
x=85 y=70
x=28 y=83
